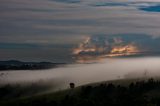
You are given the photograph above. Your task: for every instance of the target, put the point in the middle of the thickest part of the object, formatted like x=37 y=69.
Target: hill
x=19 y=65
x=133 y=93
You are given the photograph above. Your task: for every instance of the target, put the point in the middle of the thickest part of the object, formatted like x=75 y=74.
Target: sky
x=49 y=30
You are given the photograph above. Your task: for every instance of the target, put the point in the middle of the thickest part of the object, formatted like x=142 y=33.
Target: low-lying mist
x=110 y=69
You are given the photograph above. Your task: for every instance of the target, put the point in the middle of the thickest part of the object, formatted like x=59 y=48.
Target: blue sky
x=48 y=30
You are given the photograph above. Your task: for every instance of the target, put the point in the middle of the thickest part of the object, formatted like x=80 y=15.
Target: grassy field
x=124 y=92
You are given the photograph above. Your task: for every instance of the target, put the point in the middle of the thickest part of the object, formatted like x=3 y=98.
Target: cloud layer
x=52 y=27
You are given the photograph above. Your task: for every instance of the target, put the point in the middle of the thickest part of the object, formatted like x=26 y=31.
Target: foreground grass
x=133 y=92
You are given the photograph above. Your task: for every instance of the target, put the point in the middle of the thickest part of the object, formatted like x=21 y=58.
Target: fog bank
x=113 y=68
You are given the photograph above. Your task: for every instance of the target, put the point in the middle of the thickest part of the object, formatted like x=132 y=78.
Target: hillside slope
x=135 y=93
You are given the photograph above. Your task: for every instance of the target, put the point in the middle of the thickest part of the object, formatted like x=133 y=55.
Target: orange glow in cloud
x=84 y=47
x=87 y=51
x=128 y=49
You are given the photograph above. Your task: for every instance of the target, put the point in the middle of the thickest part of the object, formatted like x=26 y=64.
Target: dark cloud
x=68 y=1
x=155 y=8
x=100 y=4
x=17 y=46
x=98 y=47
x=36 y=52
x=103 y=44
x=32 y=46
x=145 y=43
